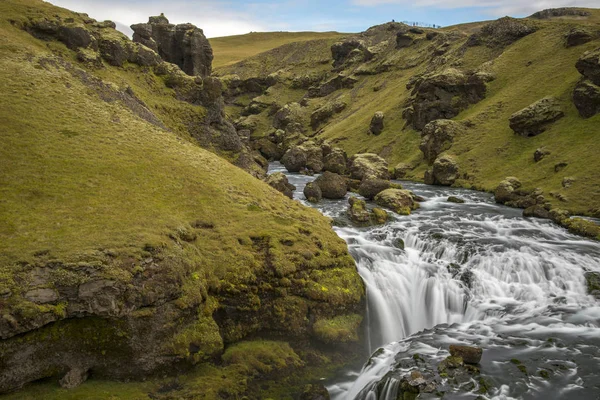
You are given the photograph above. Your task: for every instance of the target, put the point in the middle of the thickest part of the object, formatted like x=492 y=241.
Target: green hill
x=127 y=251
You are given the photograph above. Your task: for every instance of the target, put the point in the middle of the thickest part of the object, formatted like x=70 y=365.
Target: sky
x=233 y=17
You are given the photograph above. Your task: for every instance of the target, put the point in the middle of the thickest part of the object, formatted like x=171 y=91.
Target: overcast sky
x=232 y=17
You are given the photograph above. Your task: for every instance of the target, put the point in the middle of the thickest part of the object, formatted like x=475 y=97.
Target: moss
x=341 y=329
x=262 y=357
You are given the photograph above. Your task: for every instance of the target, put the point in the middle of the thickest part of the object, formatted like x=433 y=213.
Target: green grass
x=229 y=50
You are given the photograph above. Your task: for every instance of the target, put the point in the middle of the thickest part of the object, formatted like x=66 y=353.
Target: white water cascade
x=473 y=273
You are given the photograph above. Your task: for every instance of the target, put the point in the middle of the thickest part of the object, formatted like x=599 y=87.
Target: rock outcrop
x=540 y=153
x=279 y=181
x=578 y=36
x=376 y=126
x=537 y=117
x=509 y=192
x=469 y=354
x=588 y=65
x=324 y=113
x=501 y=33
x=184 y=45
x=365 y=165
x=586 y=98
x=445 y=171
x=349 y=51
x=437 y=137
x=332 y=185
x=400 y=201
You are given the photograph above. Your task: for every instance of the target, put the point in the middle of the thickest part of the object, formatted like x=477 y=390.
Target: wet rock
x=332 y=185
x=184 y=45
x=588 y=65
x=399 y=244
x=437 y=137
x=592 y=280
x=578 y=36
x=400 y=170
x=445 y=170
x=42 y=296
x=312 y=192
x=376 y=126
x=335 y=161
x=469 y=354
x=379 y=216
x=586 y=98
x=323 y=114
x=454 y=199
x=279 y=182
x=536 y=211
x=508 y=192
x=443 y=96
x=540 y=153
x=357 y=212
x=368 y=165
x=501 y=33
x=467 y=278
x=75 y=377
x=314 y=392
x=398 y=200
x=537 y=117
x=370 y=187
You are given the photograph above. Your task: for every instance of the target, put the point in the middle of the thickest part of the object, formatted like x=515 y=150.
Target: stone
x=578 y=36
x=376 y=126
x=332 y=185
x=560 y=12
x=349 y=51
x=536 y=211
x=445 y=170
x=379 y=216
x=357 y=212
x=586 y=98
x=324 y=113
x=312 y=192
x=403 y=40
x=537 y=117
x=279 y=181
x=294 y=159
x=568 y=181
x=288 y=116
x=75 y=377
x=42 y=296
x=115 y=51
x=505 y=191
x=592 y=280
x=469 y=354
x=428 y=178
x=539 y=154
x=100 y=296
x=368 y=164
x=501 y=33
x=75 y=37
x=560 y=166
x=454 y=199
x=400 y=170
x=370 y=187
x=437 y=137
x=184 y=45
x=398 y=200
x=338 y=82
x=335 y=161
x=588 y=65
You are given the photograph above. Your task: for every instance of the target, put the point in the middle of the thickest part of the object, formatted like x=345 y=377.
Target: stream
x=477 y=274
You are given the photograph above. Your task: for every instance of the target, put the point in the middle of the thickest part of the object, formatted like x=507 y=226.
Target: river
x=479 y=274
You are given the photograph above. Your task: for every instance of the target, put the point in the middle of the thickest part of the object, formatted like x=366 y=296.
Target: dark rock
x=332 y=185
x=312 y=192
x=505 y=191
x=560 y=166
x=568 y=181
x=428 y=178
x=337 y=83
x=184 y=45
x=294 y=159
x=269 y=150
x=403 y=40
x=437 y=137
x=588 y=65
x=540 y=153
x=288 y=116
x=501 y=32
x=586 y=97
x=368 y=165
x=370 y=187
x=592 y=280
x=537 y=117
x=279 y=181
x=400 y=170
x=115 y=51
x=376 y=126
x=536 y=211
x=323 y=114
x=453 y=199
x=349 y=51
x=416 y=31
x=335 y=161
x=75 y=37
x=470 y=355
x=467 y=277
x=75 y=377
x=398 y=200
x=445 y=170
x=578 y=36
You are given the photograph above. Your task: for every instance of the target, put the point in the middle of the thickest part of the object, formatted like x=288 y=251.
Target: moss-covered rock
x=537 y=117
x=399 y=201
x=365 y=165
x=333 y=186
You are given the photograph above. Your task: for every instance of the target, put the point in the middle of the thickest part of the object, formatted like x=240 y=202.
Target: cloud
x=492 y=7
x=216 y=18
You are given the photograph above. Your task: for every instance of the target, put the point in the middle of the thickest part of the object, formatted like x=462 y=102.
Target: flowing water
x=475 y=273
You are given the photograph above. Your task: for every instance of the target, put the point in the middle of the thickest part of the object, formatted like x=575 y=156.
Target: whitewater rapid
x=475 y=273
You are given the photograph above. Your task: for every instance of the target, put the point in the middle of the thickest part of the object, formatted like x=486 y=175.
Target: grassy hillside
x=533 y=67
x=229 y=50
x=103 y=189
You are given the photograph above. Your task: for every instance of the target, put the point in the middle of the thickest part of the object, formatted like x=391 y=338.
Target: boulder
x=312 y=192
x=368 y=164
x=445 y=170
x=469 y=354
x=398 y=200
x=358 y=212
x=379 y=216
x=370 y=187
x=184 y=45
x=593 y=283
x=403 y=40
x=537 y=211
x=428 y=178
x=335 y=161
x=509 y=192
x=586 y=97
x=75 y=377
x=454 y=199
x=289 y=118
x=537 y=117
x=269 y=150
x=376 y=126
x=400 y=170
x=578 y=36
x=588 y=65
x=437 y=137
x=323 y=114
x=332 y=185
x=115 y=51
x=443 y=95
x=539 y=154
x=505 y=191
x=75 y=37
x=294 y=159
x=279 y=181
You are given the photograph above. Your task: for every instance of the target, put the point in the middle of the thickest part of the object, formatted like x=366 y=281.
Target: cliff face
x=184 y=45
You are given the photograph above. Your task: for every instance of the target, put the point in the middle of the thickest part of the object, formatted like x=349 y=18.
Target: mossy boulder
x=398 y=200
x=294 y=159
x=335 y=161
x=324 y=113
x=592 y=280
x=578 y=36
x=332 y=185
x=437 y=137
x=376 y=126
x=312 y=192
x=358 y=212
x=469 y=354
x=279 y=182
x=454 y=199
x=341 y=329
x=445 y=170
x=540 y=153
x=370 y=187
x=586 y=98
x=588 y=65
x=537 y=117
x=365 y=165
x=401 y=169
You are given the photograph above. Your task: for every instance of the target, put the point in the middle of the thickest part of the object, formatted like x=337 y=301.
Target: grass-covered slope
x=522 y=70
x=126 y=249
x=232 y=49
